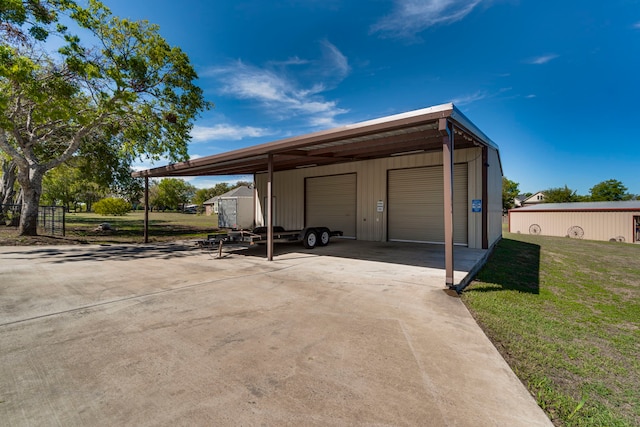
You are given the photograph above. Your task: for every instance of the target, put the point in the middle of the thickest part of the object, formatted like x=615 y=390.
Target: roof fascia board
x=462 y=121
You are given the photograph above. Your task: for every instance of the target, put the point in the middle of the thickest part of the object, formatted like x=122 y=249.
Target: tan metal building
x=612 y=221
x=397 y=198
x=428 y=175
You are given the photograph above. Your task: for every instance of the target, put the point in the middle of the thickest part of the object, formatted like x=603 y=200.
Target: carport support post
x=146 y=209
x=447 y=163
x=270 y=208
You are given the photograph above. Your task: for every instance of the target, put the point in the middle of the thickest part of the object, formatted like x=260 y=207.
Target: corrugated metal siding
x=416 y=211
x=288 y=189
x=494 y=178
x=595 y=225
x=331 y=202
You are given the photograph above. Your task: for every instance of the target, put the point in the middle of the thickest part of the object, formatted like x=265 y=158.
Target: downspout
x=446 y=130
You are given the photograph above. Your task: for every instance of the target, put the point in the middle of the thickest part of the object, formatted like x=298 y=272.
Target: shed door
x=331 y=201
x=416 y=212
x=228 y=213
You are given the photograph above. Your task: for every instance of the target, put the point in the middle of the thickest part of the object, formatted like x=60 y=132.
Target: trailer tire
x=324 y=237
x=310 y=239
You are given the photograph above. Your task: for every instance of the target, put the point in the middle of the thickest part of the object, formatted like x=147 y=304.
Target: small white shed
x=612 y=221
x=234 y=208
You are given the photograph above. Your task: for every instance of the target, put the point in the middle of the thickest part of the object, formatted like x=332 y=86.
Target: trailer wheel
x=325 y=236
x=310 y=239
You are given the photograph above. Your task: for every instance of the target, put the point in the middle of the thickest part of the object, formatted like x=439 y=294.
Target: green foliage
x=171 y=193
x=112 y=206
x=560 y=195
x=204 y=194
x=509 y=193
x=609 y=191
x=126 y=90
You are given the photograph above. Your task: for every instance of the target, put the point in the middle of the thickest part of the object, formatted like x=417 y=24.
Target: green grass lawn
x=565 y=314
x=163 y=226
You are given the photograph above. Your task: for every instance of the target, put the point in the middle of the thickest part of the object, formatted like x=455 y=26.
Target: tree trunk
x=7 y=190
x=31 y=183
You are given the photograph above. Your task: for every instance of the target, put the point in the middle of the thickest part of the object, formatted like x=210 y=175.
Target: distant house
x=612 y=221
x=534 y=199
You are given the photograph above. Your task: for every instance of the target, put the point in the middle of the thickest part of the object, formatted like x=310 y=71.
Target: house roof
x=630 y=205
x=407 y=133
x=242 y=191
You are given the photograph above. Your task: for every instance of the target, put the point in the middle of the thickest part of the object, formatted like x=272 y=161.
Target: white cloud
x=285 y=93
x=411 y=17
x=226 y=132
x=334 y=60
x=636 y=25
x=530 y=96
x=468 y=99
x=543 y=59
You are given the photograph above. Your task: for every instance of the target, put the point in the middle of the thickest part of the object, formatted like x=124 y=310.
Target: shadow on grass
x=514 y=265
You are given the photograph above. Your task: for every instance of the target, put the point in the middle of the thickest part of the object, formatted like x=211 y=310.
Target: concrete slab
x=169 y=335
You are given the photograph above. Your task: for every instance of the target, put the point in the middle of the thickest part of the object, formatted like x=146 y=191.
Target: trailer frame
x=309 y=236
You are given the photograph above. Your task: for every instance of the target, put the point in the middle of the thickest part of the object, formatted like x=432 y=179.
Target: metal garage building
x=613 y=221
x=428 y=176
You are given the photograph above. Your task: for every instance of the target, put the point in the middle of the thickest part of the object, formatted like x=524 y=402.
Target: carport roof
x=406 y=133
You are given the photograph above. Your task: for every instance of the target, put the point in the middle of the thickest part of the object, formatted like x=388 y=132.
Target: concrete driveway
x=168 y=335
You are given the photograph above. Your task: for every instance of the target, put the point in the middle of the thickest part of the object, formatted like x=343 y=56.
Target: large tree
x=509 y=193
x=609 y=191
x=173 y=193
x=560 y=195
x=127 y=85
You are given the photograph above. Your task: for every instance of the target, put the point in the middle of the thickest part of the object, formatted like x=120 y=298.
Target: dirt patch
x=9 y=237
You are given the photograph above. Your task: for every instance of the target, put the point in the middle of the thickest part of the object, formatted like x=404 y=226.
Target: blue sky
x=556 y=84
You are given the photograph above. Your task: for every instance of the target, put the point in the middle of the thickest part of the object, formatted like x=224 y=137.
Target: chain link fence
x=51 y=219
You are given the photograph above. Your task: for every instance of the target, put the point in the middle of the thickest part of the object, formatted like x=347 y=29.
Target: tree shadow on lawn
x=513 y=265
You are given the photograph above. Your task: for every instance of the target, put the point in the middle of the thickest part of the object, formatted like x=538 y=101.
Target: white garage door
x=331 y=202
x=416 y=212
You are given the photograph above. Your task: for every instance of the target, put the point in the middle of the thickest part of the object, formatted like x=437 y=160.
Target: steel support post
x=270 y=209
x=146 y=209
x=485 y=197
x=447 y=163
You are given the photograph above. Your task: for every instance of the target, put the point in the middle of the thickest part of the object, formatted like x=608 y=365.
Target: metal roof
x=242 y=191
x=630 y=205
x=406 y=133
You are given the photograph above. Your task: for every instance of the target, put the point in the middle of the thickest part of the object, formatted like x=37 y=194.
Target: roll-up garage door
x=415 y=204
x=331 y=202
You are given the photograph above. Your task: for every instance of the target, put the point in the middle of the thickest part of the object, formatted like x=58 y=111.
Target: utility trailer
x=309 y=236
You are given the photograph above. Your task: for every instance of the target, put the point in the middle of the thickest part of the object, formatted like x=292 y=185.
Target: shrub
x=111 y=206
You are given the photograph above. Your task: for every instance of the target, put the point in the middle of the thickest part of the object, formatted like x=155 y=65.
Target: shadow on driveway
x=65 y=254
